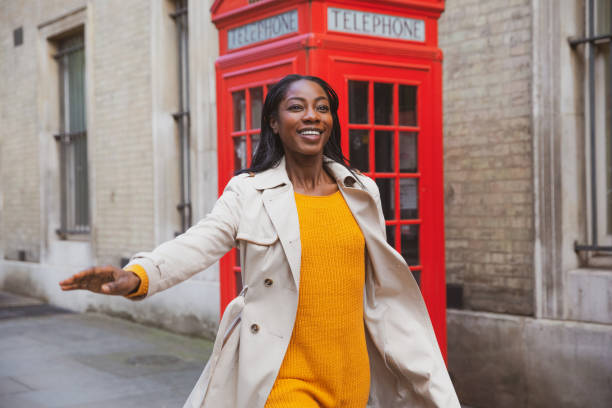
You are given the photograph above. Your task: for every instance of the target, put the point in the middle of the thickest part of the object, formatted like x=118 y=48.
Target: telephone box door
x=388 y=135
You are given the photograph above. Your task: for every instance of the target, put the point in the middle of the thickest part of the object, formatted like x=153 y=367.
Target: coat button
x=268 y=283
x=254 y=328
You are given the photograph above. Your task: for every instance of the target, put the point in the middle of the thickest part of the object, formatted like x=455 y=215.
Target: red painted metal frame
x=340 y=57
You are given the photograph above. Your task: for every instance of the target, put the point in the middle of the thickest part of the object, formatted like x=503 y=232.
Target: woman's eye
x=323 y=108
x=295 y=107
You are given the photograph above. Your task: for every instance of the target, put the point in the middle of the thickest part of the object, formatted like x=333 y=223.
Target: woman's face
x=304 y=120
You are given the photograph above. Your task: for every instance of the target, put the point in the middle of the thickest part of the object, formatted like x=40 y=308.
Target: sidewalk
x=50 y=357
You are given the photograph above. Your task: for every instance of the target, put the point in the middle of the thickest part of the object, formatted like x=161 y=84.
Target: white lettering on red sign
x=262 y=30
x=374 y=24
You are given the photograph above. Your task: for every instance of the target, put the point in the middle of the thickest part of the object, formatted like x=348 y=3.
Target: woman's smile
x=311 y=134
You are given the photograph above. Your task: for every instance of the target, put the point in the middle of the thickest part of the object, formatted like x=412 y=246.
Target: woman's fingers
x=77 y=276
x=90 y=279
x=67 y=281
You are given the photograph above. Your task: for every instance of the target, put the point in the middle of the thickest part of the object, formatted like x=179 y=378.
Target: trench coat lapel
x=279 y=202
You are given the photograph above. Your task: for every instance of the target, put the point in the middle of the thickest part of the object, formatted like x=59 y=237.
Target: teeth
x=310 y=132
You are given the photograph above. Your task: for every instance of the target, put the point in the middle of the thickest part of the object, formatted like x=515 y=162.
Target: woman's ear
x=274 y=125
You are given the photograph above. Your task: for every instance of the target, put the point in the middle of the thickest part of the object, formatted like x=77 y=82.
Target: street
x=50 y=357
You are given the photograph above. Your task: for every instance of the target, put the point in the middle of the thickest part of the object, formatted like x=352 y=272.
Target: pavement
x=50 y=357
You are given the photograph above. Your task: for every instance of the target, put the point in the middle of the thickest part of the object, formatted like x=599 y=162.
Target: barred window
x=72 y=137
x=598 y=108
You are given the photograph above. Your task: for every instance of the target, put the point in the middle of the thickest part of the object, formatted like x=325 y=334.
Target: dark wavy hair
x=270 y=150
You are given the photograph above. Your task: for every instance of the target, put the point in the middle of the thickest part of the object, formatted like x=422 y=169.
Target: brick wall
x=122 y=142
x=488 y=152
x=119 y=127
x=20 y=221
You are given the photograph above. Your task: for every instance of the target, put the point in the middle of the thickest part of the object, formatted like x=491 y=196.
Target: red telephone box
x=382 y=58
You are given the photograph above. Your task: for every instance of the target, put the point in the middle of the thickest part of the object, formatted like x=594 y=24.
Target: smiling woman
x=329 y=315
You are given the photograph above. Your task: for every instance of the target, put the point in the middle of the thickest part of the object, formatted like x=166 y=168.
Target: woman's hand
x=108 y=280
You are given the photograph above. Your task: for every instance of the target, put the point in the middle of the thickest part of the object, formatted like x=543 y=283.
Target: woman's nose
x=310 y=114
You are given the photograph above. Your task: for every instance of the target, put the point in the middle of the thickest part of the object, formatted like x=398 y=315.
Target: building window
x=598 y=107
x=72 y=137
x=182 y=116
x=603 y=109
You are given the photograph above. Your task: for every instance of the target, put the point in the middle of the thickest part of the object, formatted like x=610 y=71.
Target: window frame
x=598 y=138
x=72 y=204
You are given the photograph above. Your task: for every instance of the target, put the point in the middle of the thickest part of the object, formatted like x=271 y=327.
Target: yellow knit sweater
x=326 y=364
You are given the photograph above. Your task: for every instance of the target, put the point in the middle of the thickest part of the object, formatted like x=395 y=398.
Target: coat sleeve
x=401 y=330
x=198 y=248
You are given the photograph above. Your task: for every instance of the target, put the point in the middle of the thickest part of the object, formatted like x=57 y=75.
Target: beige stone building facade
x=527 y=193
x=530 y=312
x=95 y=185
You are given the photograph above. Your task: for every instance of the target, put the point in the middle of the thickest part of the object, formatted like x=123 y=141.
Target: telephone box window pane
x=256 y=106
x=387 y=196
x=237 y=253
x=408 y=152
x=391 y=234
x=254 y=143
x=383 y=104
x=417 y=277
x=240 y=152
x=358 y=102
x=407 y=105
x=383 y=149
x=359 y=141
x=409 y=199
x=239 y=111
x=410 y=244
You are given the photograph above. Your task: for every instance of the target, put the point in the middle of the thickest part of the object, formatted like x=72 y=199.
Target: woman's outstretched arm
x=173 y=261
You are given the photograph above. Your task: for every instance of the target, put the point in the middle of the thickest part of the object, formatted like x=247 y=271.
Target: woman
x=303 y=332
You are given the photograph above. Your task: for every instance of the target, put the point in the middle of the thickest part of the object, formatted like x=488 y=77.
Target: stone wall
x=502 y=361
x=121 y=138
x=20 y=191
x=488 y=152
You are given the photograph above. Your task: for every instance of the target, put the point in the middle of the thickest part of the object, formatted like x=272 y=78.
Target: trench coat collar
x=279 y=203
x=277 y=176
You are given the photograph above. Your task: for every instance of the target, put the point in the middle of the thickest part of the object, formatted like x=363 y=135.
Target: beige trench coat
x=258 y=213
